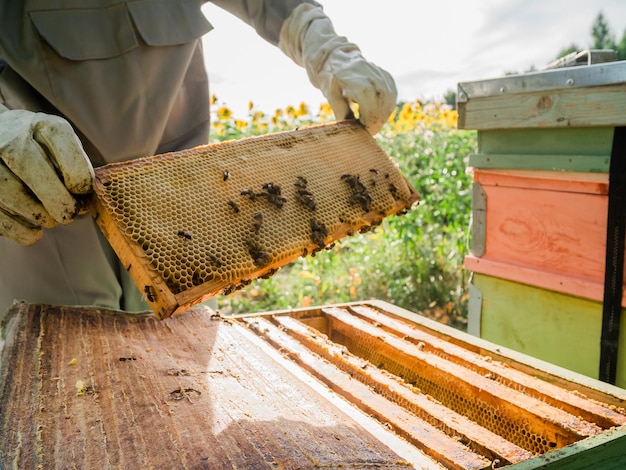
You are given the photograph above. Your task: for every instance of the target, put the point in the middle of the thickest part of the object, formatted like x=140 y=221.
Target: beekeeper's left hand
x=337 y=68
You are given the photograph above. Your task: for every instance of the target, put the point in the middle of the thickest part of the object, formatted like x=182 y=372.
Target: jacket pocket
x=102 y=33
x=169 y=23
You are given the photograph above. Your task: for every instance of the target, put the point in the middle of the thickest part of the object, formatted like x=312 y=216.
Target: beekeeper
x=93 y=82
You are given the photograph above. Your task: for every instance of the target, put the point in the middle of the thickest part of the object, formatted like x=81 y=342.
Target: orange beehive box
x=542 y=228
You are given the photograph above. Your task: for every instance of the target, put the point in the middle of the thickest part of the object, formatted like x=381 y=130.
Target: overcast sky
x=428 y=47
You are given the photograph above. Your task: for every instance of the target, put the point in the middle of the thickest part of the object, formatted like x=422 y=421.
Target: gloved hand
x=42 y=165
x=337 y=67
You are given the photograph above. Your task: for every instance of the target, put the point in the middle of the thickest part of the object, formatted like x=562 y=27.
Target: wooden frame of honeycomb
x=197 y=223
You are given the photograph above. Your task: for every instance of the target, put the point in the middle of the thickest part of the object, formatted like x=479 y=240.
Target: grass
x=414 y=261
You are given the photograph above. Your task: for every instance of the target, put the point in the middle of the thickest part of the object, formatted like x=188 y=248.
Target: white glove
x=42 y=165
x=337 y=67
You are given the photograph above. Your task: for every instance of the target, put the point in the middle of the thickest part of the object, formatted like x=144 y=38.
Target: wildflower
x=303 y=109
x=223 y=113
x=325 y=111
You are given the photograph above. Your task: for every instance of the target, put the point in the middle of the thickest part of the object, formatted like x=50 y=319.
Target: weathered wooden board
x=563 y=107
x=86 y=388
x=551 y=326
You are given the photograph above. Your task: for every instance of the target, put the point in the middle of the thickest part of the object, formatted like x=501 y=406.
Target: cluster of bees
x=273 y=195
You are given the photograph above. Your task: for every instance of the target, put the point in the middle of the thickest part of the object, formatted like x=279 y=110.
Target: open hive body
x=200 y=222
x=357 y=385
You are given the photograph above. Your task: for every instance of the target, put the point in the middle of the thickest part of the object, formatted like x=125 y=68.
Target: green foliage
x=601 y=35
x=450 y=98
x=621 y=48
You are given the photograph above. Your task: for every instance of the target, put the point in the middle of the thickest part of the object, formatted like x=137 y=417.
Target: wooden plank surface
x=88 y=388
x=582 y=107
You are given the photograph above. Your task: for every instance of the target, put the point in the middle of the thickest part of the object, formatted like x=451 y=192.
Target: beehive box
x=358 y=385
x=540 y=206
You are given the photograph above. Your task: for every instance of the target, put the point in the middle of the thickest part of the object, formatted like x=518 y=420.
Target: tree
x=621 y=48
x=601 y=34
x=450 y=98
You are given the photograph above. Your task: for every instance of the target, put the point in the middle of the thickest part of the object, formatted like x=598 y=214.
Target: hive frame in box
x=193 y=224
x=290 y=387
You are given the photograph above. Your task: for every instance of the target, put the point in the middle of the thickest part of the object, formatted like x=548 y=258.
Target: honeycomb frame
x=201 y=222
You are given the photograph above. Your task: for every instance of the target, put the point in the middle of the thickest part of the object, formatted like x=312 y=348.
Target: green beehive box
x=560 y=119
x=540 y=206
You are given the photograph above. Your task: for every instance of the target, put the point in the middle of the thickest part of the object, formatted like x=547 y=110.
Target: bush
x=414 y=261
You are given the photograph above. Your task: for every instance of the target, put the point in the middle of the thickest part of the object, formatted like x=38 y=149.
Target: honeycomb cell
x=295 y=192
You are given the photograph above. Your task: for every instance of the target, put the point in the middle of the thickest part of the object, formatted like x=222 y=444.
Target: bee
x=216 y=316
x=352 y=180
x=213 y=260
x=394 y=191
x=271 y=188
x=228 y=290
x=258 y=220
x=272 y=193
x=149 y=293
x=269 y=273
x=234 y=205
x=374 y=170
x=360 y=196
x=185 y=235
x=259 y=256
x=301 y=182
x=305 y=198
x=196 y=278
x=248 y=192
x=319 y=232
x=225 y=175
x=362 y=199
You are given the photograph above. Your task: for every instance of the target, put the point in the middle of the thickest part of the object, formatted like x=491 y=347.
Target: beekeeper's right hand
x=42 y=166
